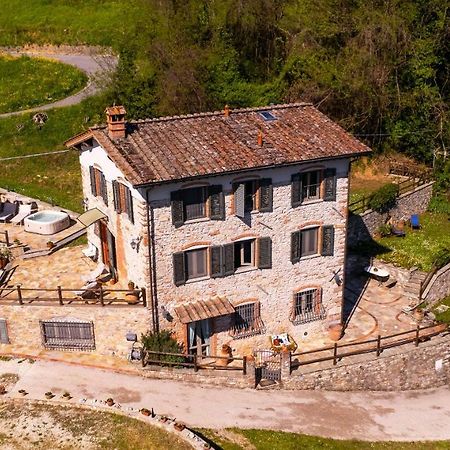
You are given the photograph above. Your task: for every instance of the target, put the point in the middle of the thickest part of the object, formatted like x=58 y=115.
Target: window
x=306 y=242
x=306 y=186
x=197 y=202
x=194 y=202
x=247 y=321
x=68 y=335
x=244 y=254
x=4 y=339
x=307 y=306
x=123 y=200
x=196 y=263
x=98 y=184
x=267 y=116
x=253 y=195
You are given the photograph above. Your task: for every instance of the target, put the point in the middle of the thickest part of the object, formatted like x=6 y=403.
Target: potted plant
x=50 y=244
x=179 y=426
x=110 y=401
x=49 y=395
x=67 y=395
x=132 y=296
x=145 y=412
x=23 y=392
x=5 y=256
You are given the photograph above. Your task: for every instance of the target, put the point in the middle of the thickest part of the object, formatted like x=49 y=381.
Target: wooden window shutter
x=179 y=271
x=92 y=177
x=228 y=259
x=216 y=203
x=330 y=185
x=295 y=246
x=4 y=339
x=265 y=195
x=328 y=240
x=104 y=188
x=296 y=190
x=176 y=202
x=216 y=256
x=116 y=195
x=239 y=200
x=129 y=204
x=265 y=253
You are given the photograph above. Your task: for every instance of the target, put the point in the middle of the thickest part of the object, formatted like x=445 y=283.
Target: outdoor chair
x=9 y=211
x=24 y=211
x=414 y=221
x=397 y=232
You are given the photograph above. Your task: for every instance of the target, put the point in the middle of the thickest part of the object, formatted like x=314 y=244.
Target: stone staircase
x=412 y=287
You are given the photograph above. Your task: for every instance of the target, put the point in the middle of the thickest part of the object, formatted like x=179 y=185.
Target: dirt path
x=96 y=66
x=381 y=416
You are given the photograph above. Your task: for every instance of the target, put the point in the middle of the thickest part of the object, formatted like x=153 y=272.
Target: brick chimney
x=226 y=111
x=260 y=137
x=115 y=118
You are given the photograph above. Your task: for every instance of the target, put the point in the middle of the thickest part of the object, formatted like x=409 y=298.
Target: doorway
x=108 y=245
x=199 y=337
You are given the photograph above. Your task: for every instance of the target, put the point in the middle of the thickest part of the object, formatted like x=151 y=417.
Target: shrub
x=164 y=342
x=384 y=230
x=384 y=198
x=442 y=258
x=439 y=203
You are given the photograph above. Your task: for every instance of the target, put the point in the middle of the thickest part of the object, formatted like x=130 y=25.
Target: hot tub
x=47 y=222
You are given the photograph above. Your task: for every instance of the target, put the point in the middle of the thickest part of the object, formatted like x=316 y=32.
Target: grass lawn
x=27 y=82
x=443 y=314
x=57 y=22
x=237 y=439
x=419 y=248
x=47 y=427
x=55 y=178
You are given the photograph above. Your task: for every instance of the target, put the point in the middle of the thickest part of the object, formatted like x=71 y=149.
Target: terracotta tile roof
x=180 y=147
x=204 y=309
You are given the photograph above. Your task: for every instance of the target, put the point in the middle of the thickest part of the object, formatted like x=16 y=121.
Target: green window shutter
x=92 y=178
x=265 y=195
x=176 y=202
x=216 y=256
x=265 y=253
x=328 y=240
x=330 y=185
x=228 y=259
x=295 y=246
x=296 y=190
x=129 y=202
x=216 y=203
x=239 y=200
x=104 y=188
x=179 y=271
x=116 y=196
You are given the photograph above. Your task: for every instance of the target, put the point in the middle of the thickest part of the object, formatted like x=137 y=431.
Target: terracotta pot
x=145 y=412
x=227 y=356
x=335 y=332
x=418 y=314
x=132 y=297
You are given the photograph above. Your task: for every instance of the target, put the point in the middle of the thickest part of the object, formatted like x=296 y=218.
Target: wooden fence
x=195 y=361
x=337 y=352
x=361 y=205
x=5 y=238
x=61 y=296
x=408 y=170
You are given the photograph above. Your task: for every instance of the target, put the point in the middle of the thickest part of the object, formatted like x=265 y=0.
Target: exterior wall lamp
x=135 y=243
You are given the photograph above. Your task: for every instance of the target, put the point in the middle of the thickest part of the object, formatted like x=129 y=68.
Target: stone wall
x=402 y=368
x=273 y=288
x=111 y=324
x=361 y=227
x=439 y=286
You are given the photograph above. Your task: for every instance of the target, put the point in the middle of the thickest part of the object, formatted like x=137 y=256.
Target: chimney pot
x=260 y=137
x=115 y=118
x=226 y=111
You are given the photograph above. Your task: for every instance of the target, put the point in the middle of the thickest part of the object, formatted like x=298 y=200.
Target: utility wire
x=33 y=155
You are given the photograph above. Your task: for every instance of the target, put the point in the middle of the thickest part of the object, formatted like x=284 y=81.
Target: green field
x=28 y=82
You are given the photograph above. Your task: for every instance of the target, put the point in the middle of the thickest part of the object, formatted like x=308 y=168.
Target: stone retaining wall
x=439 y=286
x=362 y=227
x=400 y=369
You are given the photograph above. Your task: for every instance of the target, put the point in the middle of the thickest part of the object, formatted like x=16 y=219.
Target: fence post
x=60 y=295
x=378 y=345
x=417 y=335
x=19 y=295
x=244 y=365
x=7 y=238
x=335 y=353
x=101 y=296
x=144 y=296
x=195 y=363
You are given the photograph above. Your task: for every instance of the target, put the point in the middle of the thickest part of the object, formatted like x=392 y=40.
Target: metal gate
x=268 y=365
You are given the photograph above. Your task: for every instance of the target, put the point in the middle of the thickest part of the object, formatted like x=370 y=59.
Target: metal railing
x=95 y=296
x=377 y=345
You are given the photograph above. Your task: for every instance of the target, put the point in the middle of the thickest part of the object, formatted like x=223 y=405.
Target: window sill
x=199 y=220
x=245 y=269
x=194 y=280
x=305 y=258
x=311 y=202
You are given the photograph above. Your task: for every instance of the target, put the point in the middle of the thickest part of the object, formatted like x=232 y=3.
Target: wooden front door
x=199 y=337
x=108 y=245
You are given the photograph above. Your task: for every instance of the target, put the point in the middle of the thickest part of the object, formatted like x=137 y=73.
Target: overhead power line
x=9 y=158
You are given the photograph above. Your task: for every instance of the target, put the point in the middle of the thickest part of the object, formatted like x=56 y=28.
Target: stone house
x=235 y=221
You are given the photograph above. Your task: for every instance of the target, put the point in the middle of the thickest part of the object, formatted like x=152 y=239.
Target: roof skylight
x=267 y=116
